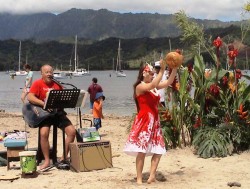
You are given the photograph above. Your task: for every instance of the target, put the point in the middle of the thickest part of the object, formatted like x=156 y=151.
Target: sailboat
x=20 y=72
x=87 y=72
x=119 y=72
x=59 y=74
x=78 y=72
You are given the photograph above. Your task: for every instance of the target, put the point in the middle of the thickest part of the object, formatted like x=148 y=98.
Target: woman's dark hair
x=27 y=66
x=138 y=81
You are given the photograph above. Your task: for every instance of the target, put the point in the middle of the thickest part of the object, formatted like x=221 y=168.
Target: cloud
x=224 y=10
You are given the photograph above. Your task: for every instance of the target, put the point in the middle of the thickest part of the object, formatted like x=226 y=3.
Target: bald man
x=37 y=96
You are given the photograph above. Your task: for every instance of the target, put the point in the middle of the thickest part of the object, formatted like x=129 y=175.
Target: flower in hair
x=148 y=68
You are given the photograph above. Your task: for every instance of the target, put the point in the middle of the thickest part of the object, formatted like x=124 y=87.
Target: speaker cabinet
x=90 y=156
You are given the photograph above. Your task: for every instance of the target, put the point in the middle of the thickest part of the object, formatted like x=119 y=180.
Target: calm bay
x=117 y=90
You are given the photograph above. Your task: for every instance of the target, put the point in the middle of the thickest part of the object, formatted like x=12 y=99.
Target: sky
x=224 y=10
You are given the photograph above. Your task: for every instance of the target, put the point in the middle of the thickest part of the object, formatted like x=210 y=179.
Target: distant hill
x=101 y=55
x=49 y=38
x=94 y=25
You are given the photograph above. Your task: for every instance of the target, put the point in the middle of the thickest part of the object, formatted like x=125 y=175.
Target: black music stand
x=60 y=99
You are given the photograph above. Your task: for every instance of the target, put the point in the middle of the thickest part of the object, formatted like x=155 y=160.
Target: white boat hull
x=60 y=75
x=21 y=73
x=81 y=73
x=78 y=74
x=120 y=74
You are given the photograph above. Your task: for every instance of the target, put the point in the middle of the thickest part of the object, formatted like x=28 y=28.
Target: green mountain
x=93 y=24
x=49 y=38
x=102 y=54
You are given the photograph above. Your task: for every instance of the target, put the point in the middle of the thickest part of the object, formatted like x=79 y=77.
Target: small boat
x=21 y=73
x=119 y=72
x=79 y=72
x=60 y=75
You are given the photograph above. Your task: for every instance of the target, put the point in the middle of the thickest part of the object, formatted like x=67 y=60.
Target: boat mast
x=75 y=52
x=119 y=56
x=113 y=64
x=19 y=58
x=70 y=66
x=26 y=59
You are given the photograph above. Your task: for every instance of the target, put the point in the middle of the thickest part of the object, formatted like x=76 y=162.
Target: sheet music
x=82 y=99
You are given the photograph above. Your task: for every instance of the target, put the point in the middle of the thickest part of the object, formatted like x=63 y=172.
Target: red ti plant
x=217 y=43
x=238 y=73
x=214 y=90
x=224 y=80
x=232 y=54
x=197 y=123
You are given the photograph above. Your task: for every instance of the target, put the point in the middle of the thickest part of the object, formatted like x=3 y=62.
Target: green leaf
x=246 y=94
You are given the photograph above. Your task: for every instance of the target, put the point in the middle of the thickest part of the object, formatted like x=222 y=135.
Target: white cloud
x=225 y=10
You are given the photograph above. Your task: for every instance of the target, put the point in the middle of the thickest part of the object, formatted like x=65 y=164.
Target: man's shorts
x=60 y=120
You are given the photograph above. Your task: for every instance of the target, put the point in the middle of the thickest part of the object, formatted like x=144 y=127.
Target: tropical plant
x=214 y=116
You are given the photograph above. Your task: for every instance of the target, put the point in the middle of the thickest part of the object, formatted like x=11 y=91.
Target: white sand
x=179 y=168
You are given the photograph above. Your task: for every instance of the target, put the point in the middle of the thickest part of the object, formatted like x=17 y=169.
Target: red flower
x=214 y=90
x=238 y=73
x=225 y=80
x=217 y=42
x=178 y=51
x=242 y=114
x=175 y=85
x=232 y=54
x=190 y=67
x=197 y=123
x=148 y=68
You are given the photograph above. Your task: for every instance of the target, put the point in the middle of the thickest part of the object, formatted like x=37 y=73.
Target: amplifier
x=89 y=156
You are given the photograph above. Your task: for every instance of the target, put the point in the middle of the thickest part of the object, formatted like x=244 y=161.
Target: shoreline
x=84 y=112
x=4 y=113
x=178 y=169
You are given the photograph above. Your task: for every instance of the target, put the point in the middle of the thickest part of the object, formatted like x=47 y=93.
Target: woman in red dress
x=146 y=137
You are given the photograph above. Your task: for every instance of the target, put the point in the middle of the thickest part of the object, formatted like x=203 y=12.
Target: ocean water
x=117 y=90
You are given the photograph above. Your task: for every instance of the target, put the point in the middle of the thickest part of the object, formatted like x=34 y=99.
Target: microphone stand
x=61 y=83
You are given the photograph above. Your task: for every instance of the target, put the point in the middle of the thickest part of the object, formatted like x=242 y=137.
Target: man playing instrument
x=37 y=96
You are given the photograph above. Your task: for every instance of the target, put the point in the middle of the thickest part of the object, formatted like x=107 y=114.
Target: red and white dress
x=146 y=134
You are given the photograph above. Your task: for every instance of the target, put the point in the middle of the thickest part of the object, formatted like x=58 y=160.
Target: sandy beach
x=178 y=169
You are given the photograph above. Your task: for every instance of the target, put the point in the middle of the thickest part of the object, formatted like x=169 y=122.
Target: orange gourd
x=174 y=59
